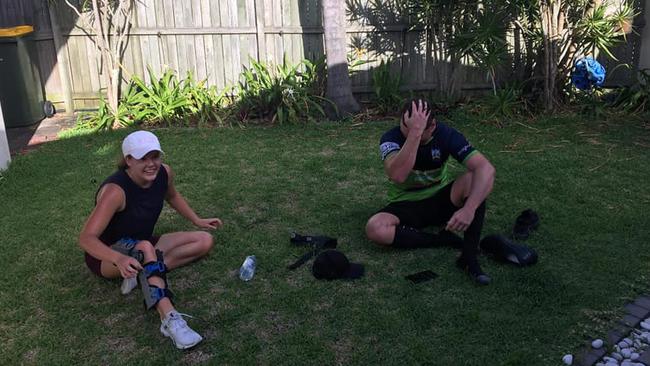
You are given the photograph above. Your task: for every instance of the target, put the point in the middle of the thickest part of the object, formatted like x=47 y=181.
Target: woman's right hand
x=128 y=266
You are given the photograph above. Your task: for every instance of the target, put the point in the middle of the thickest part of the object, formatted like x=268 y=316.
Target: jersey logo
x=435 y=154
x=387 y=148
x=464 y=149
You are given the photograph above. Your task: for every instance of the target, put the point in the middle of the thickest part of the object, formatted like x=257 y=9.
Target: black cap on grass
x=332 y=265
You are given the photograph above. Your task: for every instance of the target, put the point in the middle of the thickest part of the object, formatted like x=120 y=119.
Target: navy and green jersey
x=429 y=173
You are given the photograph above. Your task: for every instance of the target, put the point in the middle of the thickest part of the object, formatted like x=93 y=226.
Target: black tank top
x=143 y=207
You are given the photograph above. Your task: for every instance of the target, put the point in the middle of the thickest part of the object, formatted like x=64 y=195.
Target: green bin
x=21 y=93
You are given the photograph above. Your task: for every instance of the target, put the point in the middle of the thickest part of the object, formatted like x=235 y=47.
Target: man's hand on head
x=415 y=120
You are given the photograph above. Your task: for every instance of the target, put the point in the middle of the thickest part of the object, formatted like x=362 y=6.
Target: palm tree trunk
x=339 y=87
x=550 y=14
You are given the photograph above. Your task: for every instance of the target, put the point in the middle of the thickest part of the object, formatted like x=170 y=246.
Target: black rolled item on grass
x=506 y=250
x=317 y=243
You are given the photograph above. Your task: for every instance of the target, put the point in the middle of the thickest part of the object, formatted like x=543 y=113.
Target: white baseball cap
x=139 y=143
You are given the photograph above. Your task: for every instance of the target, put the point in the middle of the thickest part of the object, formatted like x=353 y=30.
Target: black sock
x=472 y=236
x=408 y=237
x=470 y=265
x=449 y=239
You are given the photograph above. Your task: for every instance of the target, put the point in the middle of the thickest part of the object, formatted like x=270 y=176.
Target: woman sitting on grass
x=117 y=237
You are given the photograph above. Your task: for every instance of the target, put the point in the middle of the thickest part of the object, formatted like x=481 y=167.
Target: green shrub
x=635 y=98
x=206 y=104
x=162 y=101
x=504 y=103
x=285 y=93
x=104 y=118
x=386 y=88
x=168 y=100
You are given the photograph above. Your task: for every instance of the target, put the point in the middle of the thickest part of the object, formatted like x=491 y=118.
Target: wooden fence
x=215 y=39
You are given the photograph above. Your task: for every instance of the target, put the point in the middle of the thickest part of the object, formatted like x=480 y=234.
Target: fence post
x=259 y=26
x=644 y=52
x=62 y=59
x=5 y=155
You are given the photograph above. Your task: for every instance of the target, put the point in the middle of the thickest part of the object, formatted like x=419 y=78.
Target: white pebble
x=626 y=353
x=567 y=359
x=645 y=325
x=637 y=343
x=617 y=356
x=609 y=359
x=597 y=343
x=634 y=356
x=622 y=345
x=628 y=341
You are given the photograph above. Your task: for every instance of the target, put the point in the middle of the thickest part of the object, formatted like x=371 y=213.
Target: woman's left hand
x=213 y=223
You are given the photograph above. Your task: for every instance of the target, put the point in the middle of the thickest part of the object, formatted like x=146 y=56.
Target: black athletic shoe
x=505 y=250
x=474 y=270
x=526 y=222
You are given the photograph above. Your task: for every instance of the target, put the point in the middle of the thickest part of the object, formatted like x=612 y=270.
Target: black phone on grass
x=421 y=276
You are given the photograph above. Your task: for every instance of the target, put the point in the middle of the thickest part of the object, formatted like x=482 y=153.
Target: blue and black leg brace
x=126 y=246
x=153 y=294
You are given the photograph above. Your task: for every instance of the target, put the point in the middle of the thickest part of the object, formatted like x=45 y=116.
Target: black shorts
x=433 y=211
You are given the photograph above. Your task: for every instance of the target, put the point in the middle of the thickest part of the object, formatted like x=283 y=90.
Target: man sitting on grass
x=423 y=194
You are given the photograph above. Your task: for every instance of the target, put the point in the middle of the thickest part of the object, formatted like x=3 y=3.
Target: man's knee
x=380 y=230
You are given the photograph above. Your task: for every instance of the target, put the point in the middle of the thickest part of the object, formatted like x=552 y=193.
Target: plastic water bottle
x=247 y=270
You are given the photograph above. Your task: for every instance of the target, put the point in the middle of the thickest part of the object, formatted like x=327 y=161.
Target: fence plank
x=260 y=37
x=171 y=56
x=219 y=58
x=154 y=41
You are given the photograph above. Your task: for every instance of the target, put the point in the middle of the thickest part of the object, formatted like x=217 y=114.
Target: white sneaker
x=128 y=285
x=175 y=327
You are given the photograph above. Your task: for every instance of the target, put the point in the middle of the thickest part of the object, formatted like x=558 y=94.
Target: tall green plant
x=205 y=104
x=635 y=98
x=105 y=118
x=284 y=93
x=163 y=100
x=386 y=87
x=484 y=39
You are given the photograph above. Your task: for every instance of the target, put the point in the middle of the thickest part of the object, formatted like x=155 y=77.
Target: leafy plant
x=386 y=88
x=284 y=93
x=105 y=118
x=505 y=102
x=483 y=40
x=355 y=61
x=635 y=98
x=205 y=104
x=162 y=101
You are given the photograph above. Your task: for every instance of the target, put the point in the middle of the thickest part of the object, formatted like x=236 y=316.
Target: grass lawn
x=588 y=181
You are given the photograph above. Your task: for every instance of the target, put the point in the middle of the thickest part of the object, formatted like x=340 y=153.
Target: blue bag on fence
x=587 y=73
